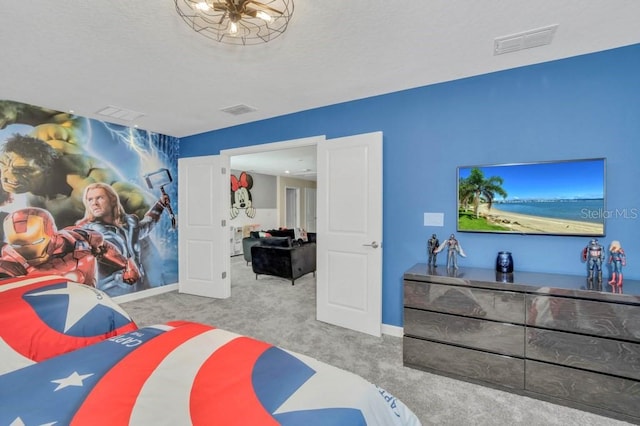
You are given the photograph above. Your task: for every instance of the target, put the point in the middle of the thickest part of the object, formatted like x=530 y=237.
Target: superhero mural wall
x=86 y=199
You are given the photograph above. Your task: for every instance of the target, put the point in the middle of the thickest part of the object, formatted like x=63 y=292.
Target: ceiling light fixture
x=239 y=22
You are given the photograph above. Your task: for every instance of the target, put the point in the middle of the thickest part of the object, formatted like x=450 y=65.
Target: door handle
x=373 y=244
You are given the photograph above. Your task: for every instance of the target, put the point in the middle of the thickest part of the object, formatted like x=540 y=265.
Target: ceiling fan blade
x=265 y=7
x=220 y=7
x=251 y=12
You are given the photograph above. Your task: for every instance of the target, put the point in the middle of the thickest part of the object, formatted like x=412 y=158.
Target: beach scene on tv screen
x=554 y=198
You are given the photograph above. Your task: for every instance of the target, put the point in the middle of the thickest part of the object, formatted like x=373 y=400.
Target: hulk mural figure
x=19 y=113
x=55 y=181
x=53 y=168
x=48 y=158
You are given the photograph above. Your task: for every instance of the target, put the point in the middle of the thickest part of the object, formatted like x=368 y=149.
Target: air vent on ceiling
x=524 y=40
x=304 y=172
x=120 y=113
x=238 y=109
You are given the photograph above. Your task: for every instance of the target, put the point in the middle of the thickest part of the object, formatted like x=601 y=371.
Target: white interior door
x=203 y=260
x=349 y=247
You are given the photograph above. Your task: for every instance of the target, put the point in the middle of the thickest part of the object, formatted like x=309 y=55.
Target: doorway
x=349 y=274
x=292 y=208
x=311 y=214
x=274 y=153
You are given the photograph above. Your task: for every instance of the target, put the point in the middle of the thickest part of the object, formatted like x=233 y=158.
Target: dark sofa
x=247 y=243
x=254 y=238
x=311 y=236
x=279 y=257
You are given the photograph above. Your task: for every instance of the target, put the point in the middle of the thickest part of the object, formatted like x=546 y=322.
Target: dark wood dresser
x=542 y=335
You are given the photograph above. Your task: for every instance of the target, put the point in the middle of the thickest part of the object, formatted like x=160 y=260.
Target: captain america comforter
x=187 y=373
x=45 y=316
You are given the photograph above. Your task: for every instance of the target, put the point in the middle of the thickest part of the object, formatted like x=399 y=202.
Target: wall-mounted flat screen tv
x=544 y=198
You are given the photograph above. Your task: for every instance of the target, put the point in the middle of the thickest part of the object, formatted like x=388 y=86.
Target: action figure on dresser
x=453 y=250
x=432 y=246
x=617 y=259
x=593 y=254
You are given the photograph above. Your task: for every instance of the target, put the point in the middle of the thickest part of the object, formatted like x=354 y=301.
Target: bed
x=182 y=373
x=45 y=316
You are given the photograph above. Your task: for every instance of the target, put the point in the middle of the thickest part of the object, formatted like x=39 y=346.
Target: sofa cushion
x=282 y=233
x=276 y=242
x=246 y=247
x=262 y=234
x=284 y=262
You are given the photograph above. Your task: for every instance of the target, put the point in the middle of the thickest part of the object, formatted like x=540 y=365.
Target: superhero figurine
x=35 y=246
x=593 y=254
x=617 y=259
x=432 y=245
x=453 y=250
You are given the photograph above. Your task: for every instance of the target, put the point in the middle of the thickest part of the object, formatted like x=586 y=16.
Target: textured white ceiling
x=139 y=55
x=298 y=163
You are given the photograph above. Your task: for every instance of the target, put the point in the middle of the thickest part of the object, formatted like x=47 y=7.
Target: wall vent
x=238 y=109
x=524 y=40
x=120 y=113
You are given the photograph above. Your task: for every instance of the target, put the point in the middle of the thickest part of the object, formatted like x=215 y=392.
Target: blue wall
x=582 y=107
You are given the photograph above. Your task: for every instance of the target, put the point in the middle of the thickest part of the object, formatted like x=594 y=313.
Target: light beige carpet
x=273 y=310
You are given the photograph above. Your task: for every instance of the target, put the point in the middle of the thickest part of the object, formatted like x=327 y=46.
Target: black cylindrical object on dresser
x=504 y=262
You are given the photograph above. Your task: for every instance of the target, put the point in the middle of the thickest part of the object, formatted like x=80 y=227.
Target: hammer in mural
x=159 y=179
x=241 y=195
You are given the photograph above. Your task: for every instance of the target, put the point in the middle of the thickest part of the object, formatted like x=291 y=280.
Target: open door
x=203 y=260
x=349 y=246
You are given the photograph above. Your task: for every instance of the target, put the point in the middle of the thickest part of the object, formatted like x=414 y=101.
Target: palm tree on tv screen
x=476 y=189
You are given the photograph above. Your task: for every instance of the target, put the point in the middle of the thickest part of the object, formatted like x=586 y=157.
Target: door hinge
x=224 y=223
x=224 y=275
x=223 y=170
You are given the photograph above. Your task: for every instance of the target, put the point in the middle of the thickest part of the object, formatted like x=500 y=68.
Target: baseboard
x=145 y=293
x=392 y=330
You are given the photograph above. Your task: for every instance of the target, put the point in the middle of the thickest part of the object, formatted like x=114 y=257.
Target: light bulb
x=233 y=28
x=202 y=6
x=263 y=15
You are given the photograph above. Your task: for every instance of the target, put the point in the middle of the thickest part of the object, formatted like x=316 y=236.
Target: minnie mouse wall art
x=241 y=195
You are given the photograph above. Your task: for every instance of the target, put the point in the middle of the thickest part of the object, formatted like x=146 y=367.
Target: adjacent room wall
x=582 y=107
x=264 y=194
x=288 y=182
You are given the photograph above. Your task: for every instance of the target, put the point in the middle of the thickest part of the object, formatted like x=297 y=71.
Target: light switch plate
x=434 y=219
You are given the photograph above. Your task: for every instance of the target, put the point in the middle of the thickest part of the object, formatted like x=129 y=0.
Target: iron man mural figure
x=34 y=243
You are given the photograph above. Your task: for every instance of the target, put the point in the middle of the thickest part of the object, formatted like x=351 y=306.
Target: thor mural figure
x=129 y=234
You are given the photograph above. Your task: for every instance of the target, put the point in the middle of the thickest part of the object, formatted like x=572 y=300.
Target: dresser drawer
x=465 y=363
x=585 y=352
x=584 y=316
x=468 y=301
x=492 y=336
x=596 y=390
